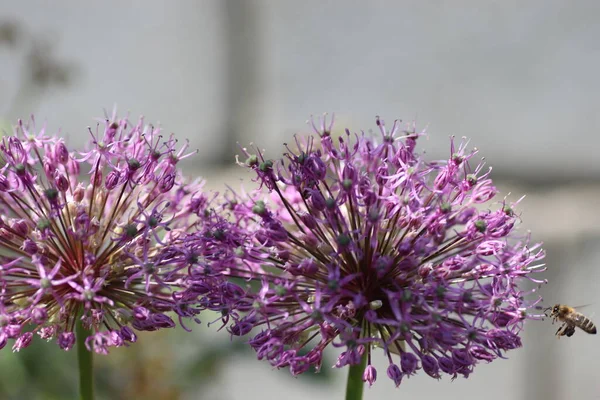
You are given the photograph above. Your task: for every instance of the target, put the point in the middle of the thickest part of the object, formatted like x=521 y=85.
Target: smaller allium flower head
x=361 y=244
x=94 y=236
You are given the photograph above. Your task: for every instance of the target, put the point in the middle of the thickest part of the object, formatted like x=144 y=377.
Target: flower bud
x=23 y=341
x=370 y=375
x=409 y=363
x=61 y=182
x=61 y=153
x=394 y=373
x=166 y=183
x=112 y=180
x=430 y=366
x=66 y=340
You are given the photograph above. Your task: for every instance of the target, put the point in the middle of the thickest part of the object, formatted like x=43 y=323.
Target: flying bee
x=570 y=318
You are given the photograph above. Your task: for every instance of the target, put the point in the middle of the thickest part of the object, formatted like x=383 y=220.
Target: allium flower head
x=94 y=236
x=361 y=244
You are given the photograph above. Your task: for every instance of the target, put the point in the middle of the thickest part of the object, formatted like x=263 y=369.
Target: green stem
x=354 y=386
x=86 y=367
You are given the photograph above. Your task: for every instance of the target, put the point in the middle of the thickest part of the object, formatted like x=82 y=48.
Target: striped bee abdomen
x=584 y=323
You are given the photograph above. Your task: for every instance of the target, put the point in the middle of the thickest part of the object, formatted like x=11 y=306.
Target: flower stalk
x=355 y=383
x=86 y=364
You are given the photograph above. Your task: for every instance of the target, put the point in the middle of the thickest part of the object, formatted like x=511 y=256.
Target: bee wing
x=590 y=316
x=576 y=308
x=582 y=306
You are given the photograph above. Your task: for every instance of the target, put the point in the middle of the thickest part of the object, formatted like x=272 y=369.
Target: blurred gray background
x=518 y=78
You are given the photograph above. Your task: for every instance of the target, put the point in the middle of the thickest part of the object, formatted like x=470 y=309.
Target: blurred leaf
x=10 y=33
x=208 y=364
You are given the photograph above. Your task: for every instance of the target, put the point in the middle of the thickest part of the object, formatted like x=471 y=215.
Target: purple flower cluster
x=107 y=250
x=360 y=243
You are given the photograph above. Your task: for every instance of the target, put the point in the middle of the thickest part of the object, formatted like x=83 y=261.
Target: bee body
x=571 y=319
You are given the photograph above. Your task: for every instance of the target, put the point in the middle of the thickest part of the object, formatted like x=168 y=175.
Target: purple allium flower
x=360 y=243
x=105 y=249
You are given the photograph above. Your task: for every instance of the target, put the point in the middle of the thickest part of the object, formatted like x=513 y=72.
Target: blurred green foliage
x=163 y=365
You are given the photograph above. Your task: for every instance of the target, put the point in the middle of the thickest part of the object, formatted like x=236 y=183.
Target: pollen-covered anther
x=375 y=304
